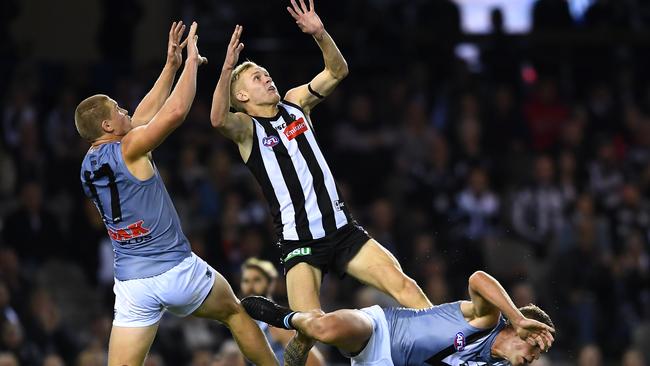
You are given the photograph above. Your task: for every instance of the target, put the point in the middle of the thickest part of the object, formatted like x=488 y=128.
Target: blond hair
x=236 y=73
x=267 y=268
x=89 y=115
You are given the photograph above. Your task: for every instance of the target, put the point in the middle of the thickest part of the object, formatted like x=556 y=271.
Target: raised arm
x=490 y=299
x=336 y=68
x=155 y=98
x=231 y=125
x=143 y=139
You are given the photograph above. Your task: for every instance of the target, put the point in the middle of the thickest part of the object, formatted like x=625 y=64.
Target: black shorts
x=331 y=252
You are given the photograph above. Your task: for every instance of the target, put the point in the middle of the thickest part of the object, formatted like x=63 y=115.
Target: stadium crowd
x=531 y=162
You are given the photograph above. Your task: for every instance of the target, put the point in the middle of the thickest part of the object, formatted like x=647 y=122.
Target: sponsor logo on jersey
x=298 y=253
x=295 y=129
x=459 y=341
x=270 y=141
x=132 y=234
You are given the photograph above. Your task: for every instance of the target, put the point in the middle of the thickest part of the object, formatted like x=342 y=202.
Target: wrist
x=319 y=34
x=169 y=66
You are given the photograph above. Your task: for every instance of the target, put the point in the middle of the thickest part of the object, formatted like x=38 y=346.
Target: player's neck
x=105 y=139
x=499 y=347
x=265 y=110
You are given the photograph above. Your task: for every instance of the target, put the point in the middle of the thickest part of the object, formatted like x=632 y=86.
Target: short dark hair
x=532 y=311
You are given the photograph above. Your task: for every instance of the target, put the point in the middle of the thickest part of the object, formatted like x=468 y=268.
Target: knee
x=228 y=308
x=323 y=327
x=406 y=290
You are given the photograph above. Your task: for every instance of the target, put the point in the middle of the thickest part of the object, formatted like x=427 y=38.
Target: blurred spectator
x=631 y=215
x=92 y=357
x=8 y=359
x=551 y=15
x=16 y=342
x=7 y=312
x=633 y=357
x=382 y=224
x=537 y=210
x=478 y=207
x=229 y=355
x=16 y=116
x=590 y=355
x=31 y=229
x=605 y=176
x=45 y=328
x=7 y=179
x=545 y=113
x=53 y=360
x=522 y=294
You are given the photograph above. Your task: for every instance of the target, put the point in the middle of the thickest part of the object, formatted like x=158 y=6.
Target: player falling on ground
x=258 y=279
x=277 y=142
x=155 y=269
x=459 y=333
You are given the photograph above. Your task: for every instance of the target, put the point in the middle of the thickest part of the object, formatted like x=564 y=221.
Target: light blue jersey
x=139 y=215
x=418 y=335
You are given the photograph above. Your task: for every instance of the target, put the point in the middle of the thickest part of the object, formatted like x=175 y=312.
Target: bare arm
x=231 y=125
x=315 y=358
x=336 y=68
x=155 y=98
x=490 y=299
x=141 y=140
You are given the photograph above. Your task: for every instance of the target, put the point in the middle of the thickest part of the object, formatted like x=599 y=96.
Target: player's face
x=121 y=121
x=253 y=282
x=260 y=86
x=522 y=353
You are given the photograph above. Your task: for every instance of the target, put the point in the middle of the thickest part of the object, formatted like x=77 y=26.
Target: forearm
x=492 y=292
x=156 y=97
x=334 y=61
x=182 y=97
x=221 y=99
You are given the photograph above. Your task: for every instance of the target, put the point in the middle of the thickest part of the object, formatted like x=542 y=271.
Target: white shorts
x=181 y=290
x=377 y=351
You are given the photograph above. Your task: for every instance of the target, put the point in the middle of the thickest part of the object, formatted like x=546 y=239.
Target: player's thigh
x=303 y=287
x=220 y=303
x=130 y=345
x=376 y=266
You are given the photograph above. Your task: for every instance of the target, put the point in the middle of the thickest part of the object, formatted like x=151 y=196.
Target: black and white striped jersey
x=295 y=178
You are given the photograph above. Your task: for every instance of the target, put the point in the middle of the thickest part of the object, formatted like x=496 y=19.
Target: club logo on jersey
x=295 y=129
x=459 y=341
x=298 y=253
x=132 y=234
x=339 y=205
x=280 y=127
x=270 y=141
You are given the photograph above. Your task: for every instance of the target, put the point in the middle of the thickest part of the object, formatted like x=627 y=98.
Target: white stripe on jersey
x=330 y=185
x=306 y=180
x=279 y=185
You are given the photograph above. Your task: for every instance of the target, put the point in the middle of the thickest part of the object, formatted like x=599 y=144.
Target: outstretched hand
x=174 y=47
x=192 y=47
x=535 y=333
x=234 y=49
x=306 y=18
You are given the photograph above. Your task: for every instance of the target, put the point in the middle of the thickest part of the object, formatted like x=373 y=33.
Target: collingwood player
x=155 y=270
x=277 y=142
x=487 y=330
